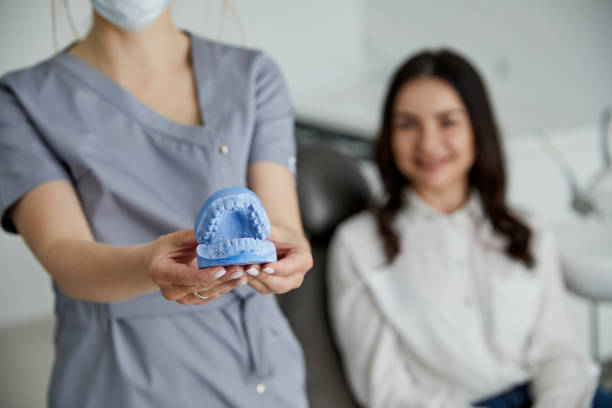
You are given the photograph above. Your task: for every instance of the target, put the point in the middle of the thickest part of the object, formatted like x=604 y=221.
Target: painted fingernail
x=242 y=282
x=219 y=273
x=252 y=271
x=236 y=275
x=268 y=270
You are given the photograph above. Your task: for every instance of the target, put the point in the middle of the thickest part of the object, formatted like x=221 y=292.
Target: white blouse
x=453 y=319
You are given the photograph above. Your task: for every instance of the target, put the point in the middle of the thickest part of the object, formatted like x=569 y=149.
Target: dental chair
x=330 y=188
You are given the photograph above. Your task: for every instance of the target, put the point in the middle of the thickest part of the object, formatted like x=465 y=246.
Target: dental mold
x=232 y=228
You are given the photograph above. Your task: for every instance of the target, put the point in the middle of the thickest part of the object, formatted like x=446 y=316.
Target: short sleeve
x=25 y=159
x=273 y=138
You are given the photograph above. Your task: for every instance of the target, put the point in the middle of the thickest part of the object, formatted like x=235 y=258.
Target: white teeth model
x=232 y=228
x=222 y=247
x=219 y=211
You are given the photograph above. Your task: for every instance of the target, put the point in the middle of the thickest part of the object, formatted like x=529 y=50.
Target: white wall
x=547 y=63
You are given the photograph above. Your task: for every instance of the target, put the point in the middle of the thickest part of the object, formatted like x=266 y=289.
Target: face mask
x=130 y=15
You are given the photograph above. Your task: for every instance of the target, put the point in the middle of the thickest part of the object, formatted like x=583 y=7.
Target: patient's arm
x=558 y=368
x=373 y=360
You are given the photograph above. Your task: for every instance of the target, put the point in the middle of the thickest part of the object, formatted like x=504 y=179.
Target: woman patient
x=445 y=296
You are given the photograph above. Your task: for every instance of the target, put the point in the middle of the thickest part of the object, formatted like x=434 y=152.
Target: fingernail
x=268 y=270
x=219 y=273
x=236 y=275
x=242 y=282
x=252 y=271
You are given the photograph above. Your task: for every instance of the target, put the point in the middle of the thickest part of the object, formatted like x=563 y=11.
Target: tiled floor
x=26 y=355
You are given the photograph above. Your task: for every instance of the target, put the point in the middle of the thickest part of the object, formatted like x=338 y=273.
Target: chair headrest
x=330 y=187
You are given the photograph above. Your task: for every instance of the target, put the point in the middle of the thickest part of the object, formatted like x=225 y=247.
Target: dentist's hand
x=172 y=265
x=294 y=261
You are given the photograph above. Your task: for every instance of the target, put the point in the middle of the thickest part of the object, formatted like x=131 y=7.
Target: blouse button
x=223 y=149
x=261 y=388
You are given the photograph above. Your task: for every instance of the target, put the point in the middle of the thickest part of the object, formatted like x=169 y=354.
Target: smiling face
x=431 y=136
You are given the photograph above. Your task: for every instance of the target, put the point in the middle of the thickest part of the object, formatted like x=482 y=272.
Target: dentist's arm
x=275 y=186
x=52 y=222
x=271 y=159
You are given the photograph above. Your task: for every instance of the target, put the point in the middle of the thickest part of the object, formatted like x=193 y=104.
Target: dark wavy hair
x=487 y=175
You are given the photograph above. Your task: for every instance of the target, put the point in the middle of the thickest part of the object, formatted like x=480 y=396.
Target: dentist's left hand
x=294 y=261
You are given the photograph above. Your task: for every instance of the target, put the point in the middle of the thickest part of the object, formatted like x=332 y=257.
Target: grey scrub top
x=139 y=175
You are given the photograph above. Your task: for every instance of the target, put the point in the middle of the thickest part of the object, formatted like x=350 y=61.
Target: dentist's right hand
x=173 y=267
x=61 y=239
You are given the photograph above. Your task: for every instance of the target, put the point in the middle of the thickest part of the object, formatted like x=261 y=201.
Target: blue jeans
x=519 y=397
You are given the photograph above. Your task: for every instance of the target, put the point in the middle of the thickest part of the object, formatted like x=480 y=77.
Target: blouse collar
x=414 y=205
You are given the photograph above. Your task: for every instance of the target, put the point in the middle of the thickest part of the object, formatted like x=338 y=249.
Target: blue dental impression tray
x=231 y=229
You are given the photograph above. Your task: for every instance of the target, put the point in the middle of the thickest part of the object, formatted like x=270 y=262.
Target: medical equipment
x=597 y=198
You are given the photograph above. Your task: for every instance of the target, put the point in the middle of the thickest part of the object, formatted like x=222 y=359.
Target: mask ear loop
x=238 y=22
x=56 y=51
x=54 y=13
x=75 y=32
x=54 y=6
x=221 y=24
x=606 y=127
x=54 y=25
x=227 y=4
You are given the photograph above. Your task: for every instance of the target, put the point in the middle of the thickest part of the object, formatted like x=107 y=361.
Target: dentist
x=107 y=152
